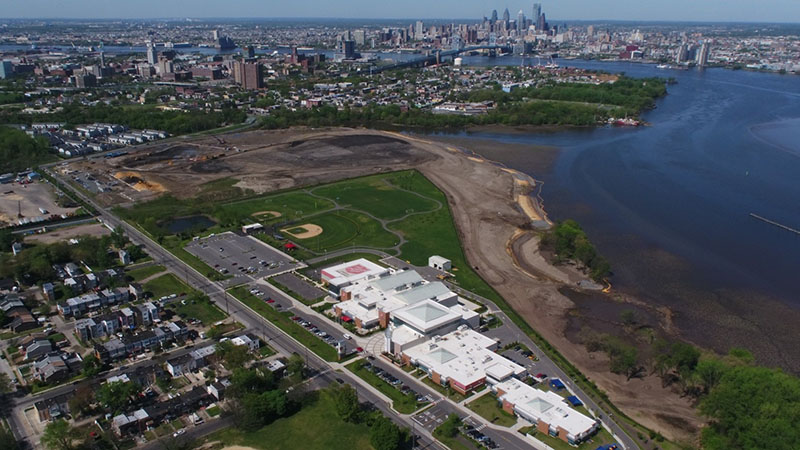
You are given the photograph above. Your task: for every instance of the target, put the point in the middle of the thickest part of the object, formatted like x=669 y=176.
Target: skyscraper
x=702 y=55
x=419 y=31
x=506 y=16
x=6 y=69
x=541 y=24
x=520 y=21
x=360 y=36
x=683 y=54
x=537 y=11
x=152 y=54
x=494 y=15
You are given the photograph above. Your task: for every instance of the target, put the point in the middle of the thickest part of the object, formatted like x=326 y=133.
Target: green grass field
x=402 y=403
x=283 y=321
x=376 y=196
x=165 y=285
x=291 y=205
x=143 y=272
x=205 y=311
x=487 y=407
x=315 y=427
x=341 y=229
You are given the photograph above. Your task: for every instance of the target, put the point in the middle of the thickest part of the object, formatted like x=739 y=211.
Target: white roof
x=426 y=315
x=350 y=272
x=535 y=404
x=463 y=357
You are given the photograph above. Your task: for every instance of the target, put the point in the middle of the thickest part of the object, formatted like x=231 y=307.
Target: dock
x=772 y=222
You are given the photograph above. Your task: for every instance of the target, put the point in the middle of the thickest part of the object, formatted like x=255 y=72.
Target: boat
x=663 y=66
x=626 y=122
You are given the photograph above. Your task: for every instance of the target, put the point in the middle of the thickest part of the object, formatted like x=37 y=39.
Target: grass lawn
x=214 y=411
x=456 y=442
x=265 y=350
x=205 y=311
x=402 y=403
x=449 y=393
x=143 y=272
x=315 y=427
x=377 y=197
x=343 y=229
x=602 y=437
x=177 y=424
x=165 y=285
x=283 y=321
x=487 y=407
x=291 y=205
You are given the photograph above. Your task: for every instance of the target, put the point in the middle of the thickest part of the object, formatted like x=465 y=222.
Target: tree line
x=18 y=151
x=568 y=241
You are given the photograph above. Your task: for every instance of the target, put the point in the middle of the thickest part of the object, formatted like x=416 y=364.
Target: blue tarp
x=574 y=400
x=556 y=384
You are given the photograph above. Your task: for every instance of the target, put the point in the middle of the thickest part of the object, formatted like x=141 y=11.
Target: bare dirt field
x=487 y=219
x=61 y=234
x=29 y=198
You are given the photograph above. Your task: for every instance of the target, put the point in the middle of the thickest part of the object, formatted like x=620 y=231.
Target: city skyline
x=778 y=11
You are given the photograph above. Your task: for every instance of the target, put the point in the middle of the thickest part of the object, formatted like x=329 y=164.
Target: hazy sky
x=690 y=10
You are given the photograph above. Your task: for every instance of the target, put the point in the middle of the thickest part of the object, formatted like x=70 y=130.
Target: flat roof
x=352 y=271
x=426 y=315
x=546 y=406
x=396 y=280
x=463 y=356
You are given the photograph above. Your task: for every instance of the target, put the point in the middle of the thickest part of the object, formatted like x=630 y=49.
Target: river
x=669 y=204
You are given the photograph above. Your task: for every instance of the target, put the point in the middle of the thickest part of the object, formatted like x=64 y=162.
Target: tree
x=81 y=400
x=7 y=441
x=709 y=372
x=449 y=428
x=91 y=365
x=296 y=367
x=118 y=237
x=752 y=407
x=385 y=435
x=234 y=356
x=250 y=381
x=347 y=405
x=115 y=396
x=6 y=385
x=58 y=435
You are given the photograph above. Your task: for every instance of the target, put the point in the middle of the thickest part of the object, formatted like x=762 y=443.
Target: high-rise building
x=590 y=31
x=152 y=54
x=102 y=59
x=419 y=30
x=165 y=66
x=520 y=21
x=6 y=69
x=541 y=24
x=85 y=80
x=494 y=15
x=250 y=51
x=215 y=35
x=360 y=36
x=537 y=11
x=506 y=16
x=248 y=75
x=348 y=49
x=702 y=55
x=683 y=54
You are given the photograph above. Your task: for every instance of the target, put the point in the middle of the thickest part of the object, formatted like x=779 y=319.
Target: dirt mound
x=138 y=182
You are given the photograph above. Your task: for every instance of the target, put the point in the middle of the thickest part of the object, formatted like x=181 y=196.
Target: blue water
x=669 y=204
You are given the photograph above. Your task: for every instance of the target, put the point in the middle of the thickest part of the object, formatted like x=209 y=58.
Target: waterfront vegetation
x=552 y=104
x=569 y=242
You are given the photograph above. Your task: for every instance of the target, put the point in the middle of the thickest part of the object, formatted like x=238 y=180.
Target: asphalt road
x=284 y=344
x=250 y=319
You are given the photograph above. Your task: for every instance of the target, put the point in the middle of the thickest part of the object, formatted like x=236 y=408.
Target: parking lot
x=301 y=287
x=243 y=257
x=433 y=416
